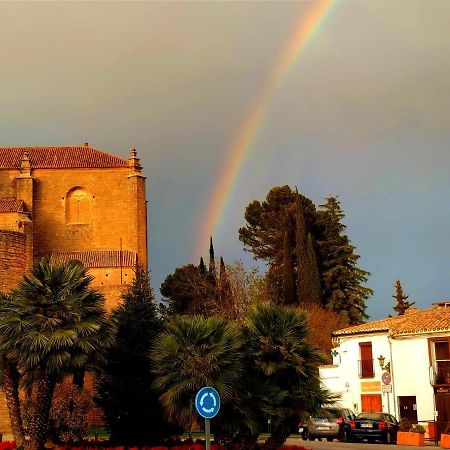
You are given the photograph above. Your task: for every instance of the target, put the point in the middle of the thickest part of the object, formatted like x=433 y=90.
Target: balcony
x=365 y=368
x=440 y=373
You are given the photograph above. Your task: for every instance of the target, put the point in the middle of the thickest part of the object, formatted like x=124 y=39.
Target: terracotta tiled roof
x=99 y=258
x=413 y=322
x=59 y=157
x=11 y=205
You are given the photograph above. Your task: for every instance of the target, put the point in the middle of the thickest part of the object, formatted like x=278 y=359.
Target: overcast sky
x=364 y=113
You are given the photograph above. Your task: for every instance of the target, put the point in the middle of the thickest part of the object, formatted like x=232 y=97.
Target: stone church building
x=73 y=203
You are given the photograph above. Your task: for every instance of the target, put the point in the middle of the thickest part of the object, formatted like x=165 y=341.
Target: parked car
x=333 y=423
x=374 y=426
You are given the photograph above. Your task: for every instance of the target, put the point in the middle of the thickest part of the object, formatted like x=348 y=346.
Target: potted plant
x=403 y=432
x=445 y=439
x=410 y=434
x=417 y=435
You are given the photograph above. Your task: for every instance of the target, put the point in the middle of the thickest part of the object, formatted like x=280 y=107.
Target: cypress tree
x=289 y=293
x=212 y=262
x=264 y=234
x=225 y=296
x=202 y=267
x=402 y=304
x=316 y=289
x=308 y=281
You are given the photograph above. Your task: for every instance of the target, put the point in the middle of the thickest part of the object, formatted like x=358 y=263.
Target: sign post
x=207 y=403
x=387 y=387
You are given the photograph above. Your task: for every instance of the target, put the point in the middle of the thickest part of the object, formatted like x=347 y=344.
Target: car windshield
x=370 y=416
x=328 y=414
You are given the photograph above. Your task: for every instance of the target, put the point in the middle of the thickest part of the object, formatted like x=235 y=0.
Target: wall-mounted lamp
x=381 y=360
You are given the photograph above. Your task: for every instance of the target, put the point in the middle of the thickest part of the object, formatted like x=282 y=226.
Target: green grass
x=99 y=432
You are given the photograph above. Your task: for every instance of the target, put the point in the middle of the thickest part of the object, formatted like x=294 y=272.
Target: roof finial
x=134 y=163
x=25 y=166
x=86 y=144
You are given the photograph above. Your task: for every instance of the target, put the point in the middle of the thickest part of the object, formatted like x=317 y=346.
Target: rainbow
x=306 y=28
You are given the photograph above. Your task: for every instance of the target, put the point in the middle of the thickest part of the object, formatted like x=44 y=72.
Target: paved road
x=336 y=445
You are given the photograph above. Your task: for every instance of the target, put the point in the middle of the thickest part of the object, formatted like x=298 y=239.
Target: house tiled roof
x=413 y=322
x=82 y=156
x=99 y=258
x=8 y=205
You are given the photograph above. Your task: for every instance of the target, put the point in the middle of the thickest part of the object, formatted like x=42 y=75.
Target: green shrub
x=416 y=428
x=404 y=425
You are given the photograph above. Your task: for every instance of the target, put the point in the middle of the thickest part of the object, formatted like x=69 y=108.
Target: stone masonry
x=72 y=202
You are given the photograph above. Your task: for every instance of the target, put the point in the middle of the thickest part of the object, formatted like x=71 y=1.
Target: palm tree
x=282 y=359
x=53 y=324
x=10 y=384
x=192 y=352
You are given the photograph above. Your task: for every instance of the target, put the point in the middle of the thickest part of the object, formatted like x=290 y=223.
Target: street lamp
x=381 y=359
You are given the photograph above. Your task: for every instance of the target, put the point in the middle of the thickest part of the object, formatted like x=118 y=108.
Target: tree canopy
x=310 y=258
x=192 y=352
x=263 y=367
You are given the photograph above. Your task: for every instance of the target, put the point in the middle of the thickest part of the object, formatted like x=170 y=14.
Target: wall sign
x=370 y=386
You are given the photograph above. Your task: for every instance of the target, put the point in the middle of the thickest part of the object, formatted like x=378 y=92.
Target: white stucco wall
x=411 y=373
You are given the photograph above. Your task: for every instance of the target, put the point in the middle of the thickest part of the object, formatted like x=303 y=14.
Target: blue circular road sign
x=207 y=402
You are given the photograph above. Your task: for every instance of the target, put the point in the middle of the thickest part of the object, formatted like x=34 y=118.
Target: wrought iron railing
x=440 y=373
x=365 y=368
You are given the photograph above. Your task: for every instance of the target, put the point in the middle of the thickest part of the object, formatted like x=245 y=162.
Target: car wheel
x=345 y=436
x=388 y=438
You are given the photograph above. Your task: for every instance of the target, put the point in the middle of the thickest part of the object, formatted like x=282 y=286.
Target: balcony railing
x=365 y=368
x=440 y=373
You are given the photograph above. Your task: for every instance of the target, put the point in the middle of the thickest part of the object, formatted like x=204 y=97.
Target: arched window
x=78 y=206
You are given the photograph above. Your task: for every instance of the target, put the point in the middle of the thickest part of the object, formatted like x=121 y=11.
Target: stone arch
x=78 y=206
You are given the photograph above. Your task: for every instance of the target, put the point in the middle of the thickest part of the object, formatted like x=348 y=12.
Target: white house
x=399 y=365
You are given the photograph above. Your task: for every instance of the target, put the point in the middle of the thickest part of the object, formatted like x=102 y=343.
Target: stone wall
x=13 y=258
x=106 y=219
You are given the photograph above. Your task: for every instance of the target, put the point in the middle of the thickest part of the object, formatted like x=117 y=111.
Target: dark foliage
x=131 y=407
x=52 y=325
x=342 y=280
x=264 y=234
x=401 y=299
x=308 y=246
x=188 y=290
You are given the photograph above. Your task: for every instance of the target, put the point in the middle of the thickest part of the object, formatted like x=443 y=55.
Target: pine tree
x=188 y=291
x=402 y=305
x=131 y=407
x=342 y=280
x=264 y=233
x=323 y=258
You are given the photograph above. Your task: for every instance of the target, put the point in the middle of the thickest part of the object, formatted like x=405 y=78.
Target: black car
x=374 y=427
x=332 y=423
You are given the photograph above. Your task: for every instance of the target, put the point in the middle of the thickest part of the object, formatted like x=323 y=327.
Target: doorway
x=371 y=403
x=408 y=408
